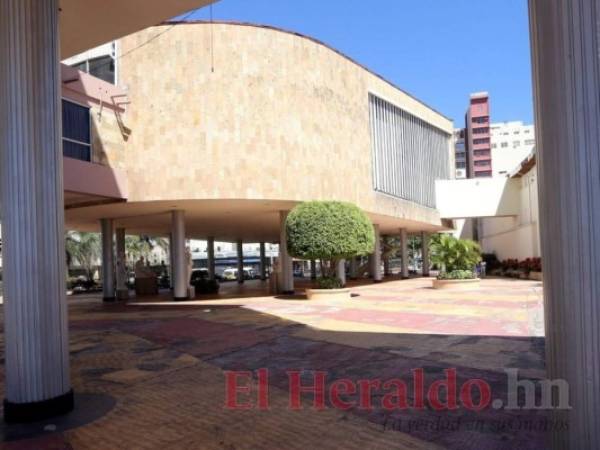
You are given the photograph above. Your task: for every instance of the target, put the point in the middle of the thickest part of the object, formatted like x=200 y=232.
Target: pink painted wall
x=91 y=91
x=94 y=179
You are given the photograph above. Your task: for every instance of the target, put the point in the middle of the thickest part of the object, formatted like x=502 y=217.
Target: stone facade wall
x=277 y=116
x=109 y=138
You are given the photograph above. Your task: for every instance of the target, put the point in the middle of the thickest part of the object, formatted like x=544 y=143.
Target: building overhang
x=87 y=184
x=224 y=219
x=525 y=166
x=88 y=23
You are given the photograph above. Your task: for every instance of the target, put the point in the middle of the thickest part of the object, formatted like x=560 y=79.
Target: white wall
x=477 y=197
x=515 y=237
x=512 y=142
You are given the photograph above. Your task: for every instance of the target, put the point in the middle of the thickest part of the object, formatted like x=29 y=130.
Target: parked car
x=202 y=283
x=231 y=274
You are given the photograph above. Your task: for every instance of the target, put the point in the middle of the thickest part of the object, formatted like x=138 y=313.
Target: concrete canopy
x=87 y=23
x=224 y=219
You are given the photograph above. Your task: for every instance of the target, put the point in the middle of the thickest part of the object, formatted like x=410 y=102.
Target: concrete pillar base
x=36 y=411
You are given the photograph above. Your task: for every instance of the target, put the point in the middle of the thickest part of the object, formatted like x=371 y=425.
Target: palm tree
x=83 y=249
x=137 y=246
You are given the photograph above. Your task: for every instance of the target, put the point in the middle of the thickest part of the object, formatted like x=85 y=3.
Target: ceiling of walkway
x=88 y=23
x=226 y=220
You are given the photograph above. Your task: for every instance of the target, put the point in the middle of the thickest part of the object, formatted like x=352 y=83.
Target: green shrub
x=451 y=254
x=329 y=283
x=457 y=275
x=329 y=231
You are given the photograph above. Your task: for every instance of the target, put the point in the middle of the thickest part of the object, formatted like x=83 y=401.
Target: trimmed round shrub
x=329 y=231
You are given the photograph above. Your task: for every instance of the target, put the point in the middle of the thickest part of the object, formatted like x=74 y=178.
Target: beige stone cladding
x=237 y=111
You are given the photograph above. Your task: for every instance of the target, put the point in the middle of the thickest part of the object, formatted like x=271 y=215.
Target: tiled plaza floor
x=153 y=376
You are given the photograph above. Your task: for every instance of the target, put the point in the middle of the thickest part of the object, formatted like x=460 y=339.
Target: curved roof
x=310 y=38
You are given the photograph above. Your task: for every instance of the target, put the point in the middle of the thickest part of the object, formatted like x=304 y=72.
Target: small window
x=76 y=131
x=504 y=144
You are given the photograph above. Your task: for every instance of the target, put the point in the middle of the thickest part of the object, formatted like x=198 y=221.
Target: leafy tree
x=136 y=246
x=451 y=254
x=329 y=231
x=83 y=249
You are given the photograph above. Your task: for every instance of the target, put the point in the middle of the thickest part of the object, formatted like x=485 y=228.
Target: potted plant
x=329 y=231
x=456 y=259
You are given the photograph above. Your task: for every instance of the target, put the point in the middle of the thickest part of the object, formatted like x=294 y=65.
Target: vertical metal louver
x=409 y=154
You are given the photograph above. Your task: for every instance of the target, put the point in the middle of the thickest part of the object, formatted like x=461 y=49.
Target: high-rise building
x=477 y=136
x=512 y=142
x=460 y=153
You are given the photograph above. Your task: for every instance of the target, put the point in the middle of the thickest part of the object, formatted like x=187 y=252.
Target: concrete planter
x=328 y=294
x=456 y=285
x=536 y=276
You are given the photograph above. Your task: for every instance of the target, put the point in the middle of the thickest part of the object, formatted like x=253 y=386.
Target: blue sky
x=438 y=50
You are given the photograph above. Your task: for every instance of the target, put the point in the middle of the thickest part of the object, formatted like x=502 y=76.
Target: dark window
x=76 y=131
x=481 y=130
x=103 y=68
x=481 y=163
x=481 y=153
x=484 y=173
x=481 y=141
x=480 y=119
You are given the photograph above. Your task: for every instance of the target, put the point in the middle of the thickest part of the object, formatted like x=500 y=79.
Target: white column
x=341 y=271
x=566 y=73
x=425 y=253
x=108 y=260
x=180 y=269
x=263 y=262
x=122 y=289
x=37 y=383
x=240 y=261
x=404 y=252
x=285 y=261
x=376 y=257
x=210 y=257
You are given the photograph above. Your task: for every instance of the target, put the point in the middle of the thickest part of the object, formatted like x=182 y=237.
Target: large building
x=473 y=144
x=477 y=136
x=232 y=136
x=512 y=142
